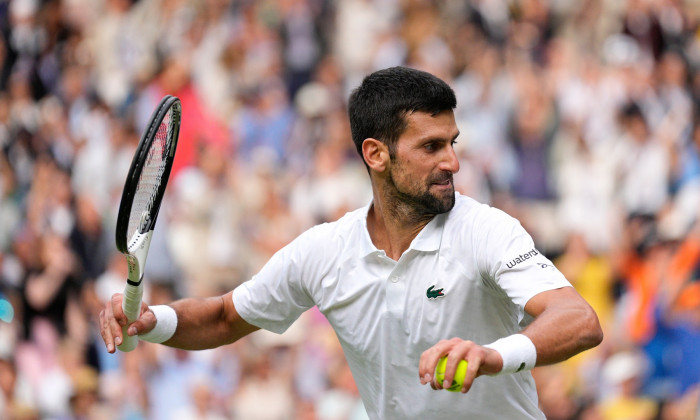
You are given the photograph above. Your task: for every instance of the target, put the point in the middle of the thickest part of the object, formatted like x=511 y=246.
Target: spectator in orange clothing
x=638 y=264
x=662 y=304
x=658 y=265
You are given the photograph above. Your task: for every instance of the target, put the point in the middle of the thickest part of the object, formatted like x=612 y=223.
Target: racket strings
x=147 y=189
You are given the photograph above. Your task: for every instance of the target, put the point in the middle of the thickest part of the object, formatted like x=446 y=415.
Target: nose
x=449 y=162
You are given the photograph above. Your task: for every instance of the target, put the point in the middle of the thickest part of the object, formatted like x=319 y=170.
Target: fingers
x=112 y=319
x=474 y=358
x=456 y=350
x=115 y=304
x=429 y=359
x=463 y=350
x=105 y=331
x=113 y=322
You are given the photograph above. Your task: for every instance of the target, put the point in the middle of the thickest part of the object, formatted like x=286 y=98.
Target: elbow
x=593 y=332
x=595 y=338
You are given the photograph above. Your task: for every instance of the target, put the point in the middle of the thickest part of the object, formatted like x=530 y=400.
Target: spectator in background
x=333 y=185
x=88 y=239
x=585 y=186
x=643 y=164
x=265 y=382
x=205 y=229
x=302 y=40
x=672 y=346
x=198 y=123
x=100 y=165
x=15 y=392
x=486 y=96
x=532 y=130
x=52 y=291
x=687 y=159
x=84 y=402
x=201 y=406
x=623 y=374
x=266 y=121
x=170 y=384
x=10 y=215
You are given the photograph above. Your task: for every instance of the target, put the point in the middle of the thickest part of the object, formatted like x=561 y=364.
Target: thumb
x=145 y=323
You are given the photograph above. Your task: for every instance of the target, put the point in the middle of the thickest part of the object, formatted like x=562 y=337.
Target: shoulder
x=481 y=231
x=479 y=218
x=319 y=250
x=346 y=224
x=330 y=236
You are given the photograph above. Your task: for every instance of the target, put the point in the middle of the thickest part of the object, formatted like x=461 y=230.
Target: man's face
x=424 y=161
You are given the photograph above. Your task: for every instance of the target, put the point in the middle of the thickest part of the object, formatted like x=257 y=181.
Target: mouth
x=444 y=183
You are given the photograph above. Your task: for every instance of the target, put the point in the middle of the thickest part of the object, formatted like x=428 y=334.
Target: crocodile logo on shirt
x=432 y=293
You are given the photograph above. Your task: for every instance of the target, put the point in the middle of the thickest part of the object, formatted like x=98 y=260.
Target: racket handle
x=132 y=309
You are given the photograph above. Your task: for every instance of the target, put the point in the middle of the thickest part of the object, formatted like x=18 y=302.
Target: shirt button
x=394 y=279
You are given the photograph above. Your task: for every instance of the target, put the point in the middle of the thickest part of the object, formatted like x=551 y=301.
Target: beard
x=418 y=198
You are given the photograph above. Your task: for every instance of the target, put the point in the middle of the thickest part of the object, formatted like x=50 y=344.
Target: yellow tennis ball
x=458 y=380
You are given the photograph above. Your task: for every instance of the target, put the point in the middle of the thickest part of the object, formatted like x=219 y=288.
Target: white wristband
x=517 y=351
x=166 y=323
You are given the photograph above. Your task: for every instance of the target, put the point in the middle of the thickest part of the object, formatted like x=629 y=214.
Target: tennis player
x=419 y=273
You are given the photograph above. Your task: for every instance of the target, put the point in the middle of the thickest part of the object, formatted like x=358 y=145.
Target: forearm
x=207 y=323
x=563 y=329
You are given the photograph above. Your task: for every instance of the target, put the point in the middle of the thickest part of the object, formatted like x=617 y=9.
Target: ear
x=376 y=154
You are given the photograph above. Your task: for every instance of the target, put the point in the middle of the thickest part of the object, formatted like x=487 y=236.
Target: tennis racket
x=143 y=192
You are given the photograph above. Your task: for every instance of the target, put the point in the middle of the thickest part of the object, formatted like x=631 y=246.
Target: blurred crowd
x=579 y=117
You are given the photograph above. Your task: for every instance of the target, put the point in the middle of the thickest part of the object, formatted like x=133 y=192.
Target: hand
x=481 y=361
x=113 y=320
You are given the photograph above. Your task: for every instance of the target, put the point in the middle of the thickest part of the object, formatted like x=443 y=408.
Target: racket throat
x=136 y=258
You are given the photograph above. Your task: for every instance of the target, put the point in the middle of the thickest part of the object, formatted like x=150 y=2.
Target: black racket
x=143 y=192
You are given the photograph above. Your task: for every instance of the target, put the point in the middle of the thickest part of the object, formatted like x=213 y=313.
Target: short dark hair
x=378 y=107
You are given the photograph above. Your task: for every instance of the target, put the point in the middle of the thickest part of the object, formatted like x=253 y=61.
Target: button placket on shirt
x=396 y=290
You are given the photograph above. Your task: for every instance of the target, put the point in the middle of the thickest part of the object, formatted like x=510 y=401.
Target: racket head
x=149 y=172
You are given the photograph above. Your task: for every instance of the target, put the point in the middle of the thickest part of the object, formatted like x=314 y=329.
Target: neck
x=393 y=224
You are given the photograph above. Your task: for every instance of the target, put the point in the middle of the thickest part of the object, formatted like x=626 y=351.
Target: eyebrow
x=440 y=138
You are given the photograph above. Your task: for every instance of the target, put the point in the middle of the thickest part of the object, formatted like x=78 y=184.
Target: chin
x=447 y=206
x=441 y=203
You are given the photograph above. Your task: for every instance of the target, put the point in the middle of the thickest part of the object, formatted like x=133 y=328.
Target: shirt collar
x=427 y=240
x=366 y=245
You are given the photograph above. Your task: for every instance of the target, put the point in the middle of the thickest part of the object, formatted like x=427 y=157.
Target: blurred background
x=579 y=117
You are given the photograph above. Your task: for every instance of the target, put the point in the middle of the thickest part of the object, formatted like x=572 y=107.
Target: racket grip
x=132 y=309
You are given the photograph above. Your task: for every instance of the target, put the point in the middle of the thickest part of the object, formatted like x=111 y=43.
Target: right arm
x=273 y=299
x=201 y=323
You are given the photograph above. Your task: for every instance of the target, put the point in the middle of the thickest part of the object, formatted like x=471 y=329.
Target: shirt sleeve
x=275 y=297
x=511 y=260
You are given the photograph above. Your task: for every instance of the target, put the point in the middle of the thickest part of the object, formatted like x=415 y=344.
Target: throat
x=404 y=214
x=393 y=232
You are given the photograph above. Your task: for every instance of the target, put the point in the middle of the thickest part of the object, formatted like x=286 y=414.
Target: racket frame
x=136 y=248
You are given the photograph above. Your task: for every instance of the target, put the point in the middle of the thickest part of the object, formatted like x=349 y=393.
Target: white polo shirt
x=468 y=274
